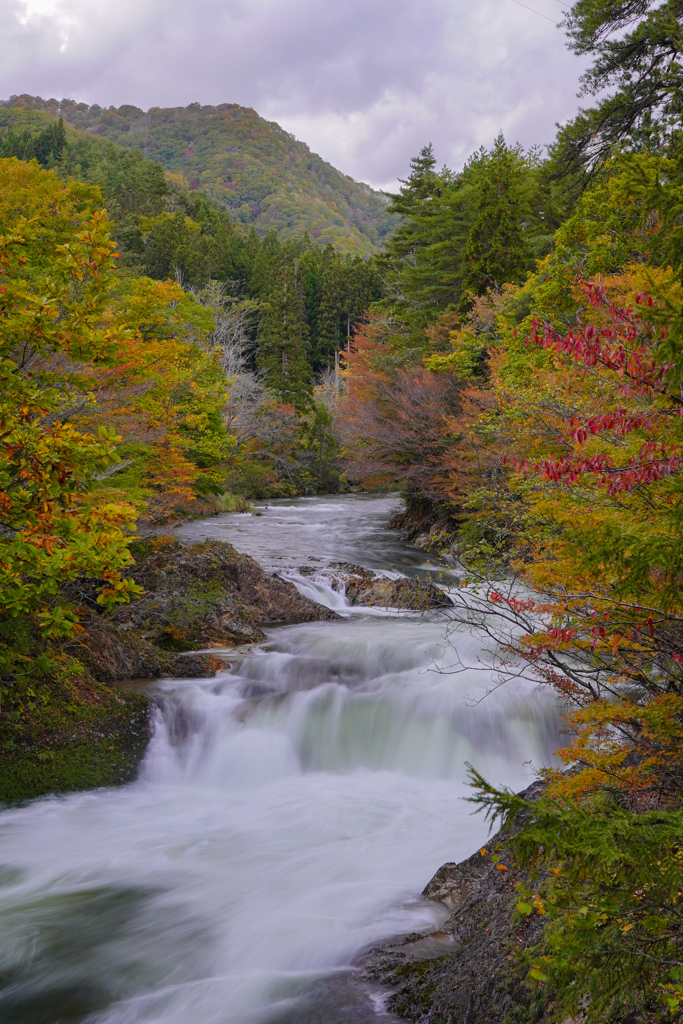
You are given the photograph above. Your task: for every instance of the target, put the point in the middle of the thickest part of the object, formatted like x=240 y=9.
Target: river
x=288 y=812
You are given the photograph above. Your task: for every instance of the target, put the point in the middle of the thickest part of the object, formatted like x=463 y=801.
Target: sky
x=365 y=83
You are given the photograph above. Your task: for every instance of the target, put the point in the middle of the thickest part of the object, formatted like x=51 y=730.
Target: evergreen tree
x=637 y=47
x=422 y=185
x=463 y=233
x=503 y=195
x=45 y=147
x=331 y=332
x=284 y=334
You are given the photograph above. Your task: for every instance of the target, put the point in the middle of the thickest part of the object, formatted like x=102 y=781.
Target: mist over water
x=288 y=812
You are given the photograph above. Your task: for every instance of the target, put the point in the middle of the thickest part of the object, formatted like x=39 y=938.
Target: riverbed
x=288 y=812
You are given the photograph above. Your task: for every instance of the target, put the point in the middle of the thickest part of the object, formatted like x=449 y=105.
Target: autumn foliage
x=55 y=278
x=546 y=421
x=403 y=425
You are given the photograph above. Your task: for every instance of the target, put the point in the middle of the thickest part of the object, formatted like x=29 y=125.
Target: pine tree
x=422 y=185
x=332 y=313
x=637 y=46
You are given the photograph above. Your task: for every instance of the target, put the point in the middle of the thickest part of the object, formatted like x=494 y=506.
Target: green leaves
x=56 y=274
x=465 y=233
x=609 y=883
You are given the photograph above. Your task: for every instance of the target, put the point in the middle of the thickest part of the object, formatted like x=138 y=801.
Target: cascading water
x=288 y=812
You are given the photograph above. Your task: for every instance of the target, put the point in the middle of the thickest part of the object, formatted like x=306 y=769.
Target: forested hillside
x=252 y=167
x=280 y=311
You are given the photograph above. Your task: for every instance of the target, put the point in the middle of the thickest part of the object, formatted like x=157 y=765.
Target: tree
x=166 y=397
x=284 y=333
x=463 y=233
x=637 y=47
x=499 y=248
x=401 y=424
x=46 y=147
x=56 y=262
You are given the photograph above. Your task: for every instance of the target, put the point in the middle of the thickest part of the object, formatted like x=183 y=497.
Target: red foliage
x=626 y=346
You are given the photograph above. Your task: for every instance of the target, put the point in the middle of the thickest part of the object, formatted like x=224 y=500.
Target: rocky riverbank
x=65 y=725
x=468 y=970
x=198 y=597
x=425 y=526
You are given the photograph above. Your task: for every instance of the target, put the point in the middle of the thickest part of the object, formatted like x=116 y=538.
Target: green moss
x=415 y=998
x=109 y=758
x=61 y=730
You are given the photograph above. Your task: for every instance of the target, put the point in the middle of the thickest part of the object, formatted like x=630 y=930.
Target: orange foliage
x=403 y=425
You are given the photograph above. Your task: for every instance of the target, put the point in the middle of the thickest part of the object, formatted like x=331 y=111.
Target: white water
x=288 y=813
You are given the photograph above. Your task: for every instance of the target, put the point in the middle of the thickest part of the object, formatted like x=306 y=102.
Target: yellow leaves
x=161 y=309
x=539 y=905
x=599 y=746
x=52 y=532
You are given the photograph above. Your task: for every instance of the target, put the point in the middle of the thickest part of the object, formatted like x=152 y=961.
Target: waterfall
x=288 y=812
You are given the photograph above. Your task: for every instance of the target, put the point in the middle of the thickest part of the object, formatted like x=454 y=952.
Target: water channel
x=288 y=812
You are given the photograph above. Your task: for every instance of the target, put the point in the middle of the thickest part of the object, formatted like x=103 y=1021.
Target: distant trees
x=305 y=300
x=243 y=163
x=46 y=146
x=398 y=424
x=284 y=334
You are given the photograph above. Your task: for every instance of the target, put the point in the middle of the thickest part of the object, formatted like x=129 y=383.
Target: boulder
x=197 y=597
x=364 y=588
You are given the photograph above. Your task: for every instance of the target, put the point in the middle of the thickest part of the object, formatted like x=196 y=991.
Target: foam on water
x=288 y=813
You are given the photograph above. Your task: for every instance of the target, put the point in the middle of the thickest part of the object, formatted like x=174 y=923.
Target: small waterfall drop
x=289 y=812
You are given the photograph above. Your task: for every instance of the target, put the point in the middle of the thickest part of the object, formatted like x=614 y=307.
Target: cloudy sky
x=365 y=83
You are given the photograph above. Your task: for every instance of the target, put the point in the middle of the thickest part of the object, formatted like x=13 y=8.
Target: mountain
x=251 y=166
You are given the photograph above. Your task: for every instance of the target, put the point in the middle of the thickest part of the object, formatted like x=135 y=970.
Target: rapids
x=288 y=812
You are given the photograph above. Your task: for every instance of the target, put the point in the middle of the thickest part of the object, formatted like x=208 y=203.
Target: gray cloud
x=364 y=82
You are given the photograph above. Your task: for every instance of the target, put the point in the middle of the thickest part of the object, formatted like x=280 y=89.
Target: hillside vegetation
x=513 y=359
x=251 y=166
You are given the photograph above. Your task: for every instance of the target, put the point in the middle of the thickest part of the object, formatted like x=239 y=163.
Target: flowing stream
x=288 y=813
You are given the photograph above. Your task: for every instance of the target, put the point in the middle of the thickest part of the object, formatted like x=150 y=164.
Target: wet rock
x=414 y=522
x=196 y=598
x=339 y=999
x=348 y=568
x=453 y=883
x=416 y=595
x=364 y=588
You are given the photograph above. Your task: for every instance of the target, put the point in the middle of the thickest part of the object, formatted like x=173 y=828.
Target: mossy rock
x=60 y=729
x=104 y=752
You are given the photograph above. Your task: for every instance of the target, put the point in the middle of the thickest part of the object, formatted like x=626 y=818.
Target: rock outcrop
x=196 y=598
x=364 y=588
